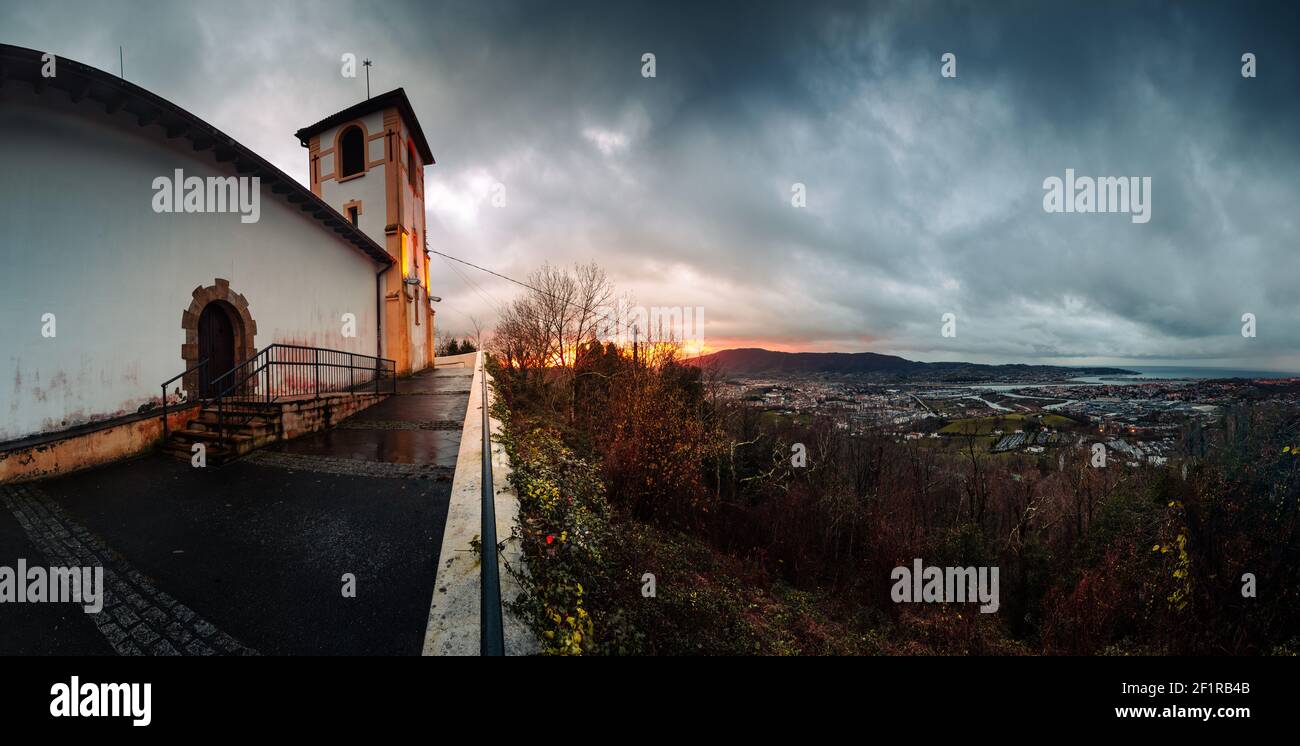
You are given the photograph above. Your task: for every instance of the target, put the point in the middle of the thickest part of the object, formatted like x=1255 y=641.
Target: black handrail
x=275 y=373
x=491 y=632
x=202 y=367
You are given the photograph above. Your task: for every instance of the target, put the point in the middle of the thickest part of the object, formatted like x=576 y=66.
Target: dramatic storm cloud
x=924 y=193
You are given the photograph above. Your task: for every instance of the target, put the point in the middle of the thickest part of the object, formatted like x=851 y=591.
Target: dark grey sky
x=924 y=193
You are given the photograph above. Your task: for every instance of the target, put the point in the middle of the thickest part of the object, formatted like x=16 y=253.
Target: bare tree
x=542 y=331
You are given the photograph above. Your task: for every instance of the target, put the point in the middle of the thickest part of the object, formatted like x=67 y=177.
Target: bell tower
x=367 y=162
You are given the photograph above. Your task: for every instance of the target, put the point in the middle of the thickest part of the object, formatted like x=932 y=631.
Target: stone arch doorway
x=219 y=328
x=216 y=343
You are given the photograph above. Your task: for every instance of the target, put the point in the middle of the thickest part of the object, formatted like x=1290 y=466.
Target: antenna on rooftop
x=366 y=63
x=121 y=67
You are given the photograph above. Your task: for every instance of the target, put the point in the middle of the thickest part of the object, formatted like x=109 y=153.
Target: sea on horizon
x=1175 y=372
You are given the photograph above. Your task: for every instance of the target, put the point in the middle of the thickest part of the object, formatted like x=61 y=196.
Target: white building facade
x=103 y=297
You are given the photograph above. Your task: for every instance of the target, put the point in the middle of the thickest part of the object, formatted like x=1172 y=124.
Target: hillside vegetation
x=657 y=519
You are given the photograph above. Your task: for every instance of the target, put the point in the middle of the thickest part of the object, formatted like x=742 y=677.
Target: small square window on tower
x=352 y=210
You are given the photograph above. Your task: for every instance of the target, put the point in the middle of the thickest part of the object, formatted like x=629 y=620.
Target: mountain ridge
x=749 y=360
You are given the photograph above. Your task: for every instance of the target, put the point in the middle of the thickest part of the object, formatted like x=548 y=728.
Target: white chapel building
x=109 y=286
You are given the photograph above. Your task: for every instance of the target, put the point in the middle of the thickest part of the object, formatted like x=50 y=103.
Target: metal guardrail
x=201 y=368
x=491 y=634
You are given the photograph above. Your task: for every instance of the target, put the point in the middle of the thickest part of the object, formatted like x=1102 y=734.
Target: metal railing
x=491 y=632
x=284 y=371
x=201 y=368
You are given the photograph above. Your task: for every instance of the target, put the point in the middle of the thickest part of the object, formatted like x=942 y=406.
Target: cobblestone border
x=137 y=618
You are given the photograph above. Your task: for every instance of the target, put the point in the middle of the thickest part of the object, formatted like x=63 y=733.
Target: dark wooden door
x=216 y=344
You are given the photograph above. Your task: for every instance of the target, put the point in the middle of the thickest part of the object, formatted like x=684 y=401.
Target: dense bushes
x=565 y=533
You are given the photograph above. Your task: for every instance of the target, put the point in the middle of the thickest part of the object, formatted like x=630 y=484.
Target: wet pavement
x=250 y=557
x=420 y=425
x=387 y=445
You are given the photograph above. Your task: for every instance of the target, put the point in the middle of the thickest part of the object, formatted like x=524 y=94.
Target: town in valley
x=1139 y=419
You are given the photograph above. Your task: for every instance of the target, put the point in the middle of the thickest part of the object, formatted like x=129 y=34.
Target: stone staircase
x=280 y=393
x=247 y=428
x=250 y=427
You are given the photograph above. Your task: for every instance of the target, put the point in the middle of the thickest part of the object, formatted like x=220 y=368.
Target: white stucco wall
x=370 y=190
x=80 y=240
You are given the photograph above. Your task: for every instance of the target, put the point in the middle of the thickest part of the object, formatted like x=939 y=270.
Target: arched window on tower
x=353 y=155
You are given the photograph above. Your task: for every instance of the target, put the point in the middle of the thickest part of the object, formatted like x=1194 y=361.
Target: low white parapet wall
x=463 y=360
x=454 y=613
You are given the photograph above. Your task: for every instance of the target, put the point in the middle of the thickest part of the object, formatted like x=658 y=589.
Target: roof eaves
x=83 y=82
